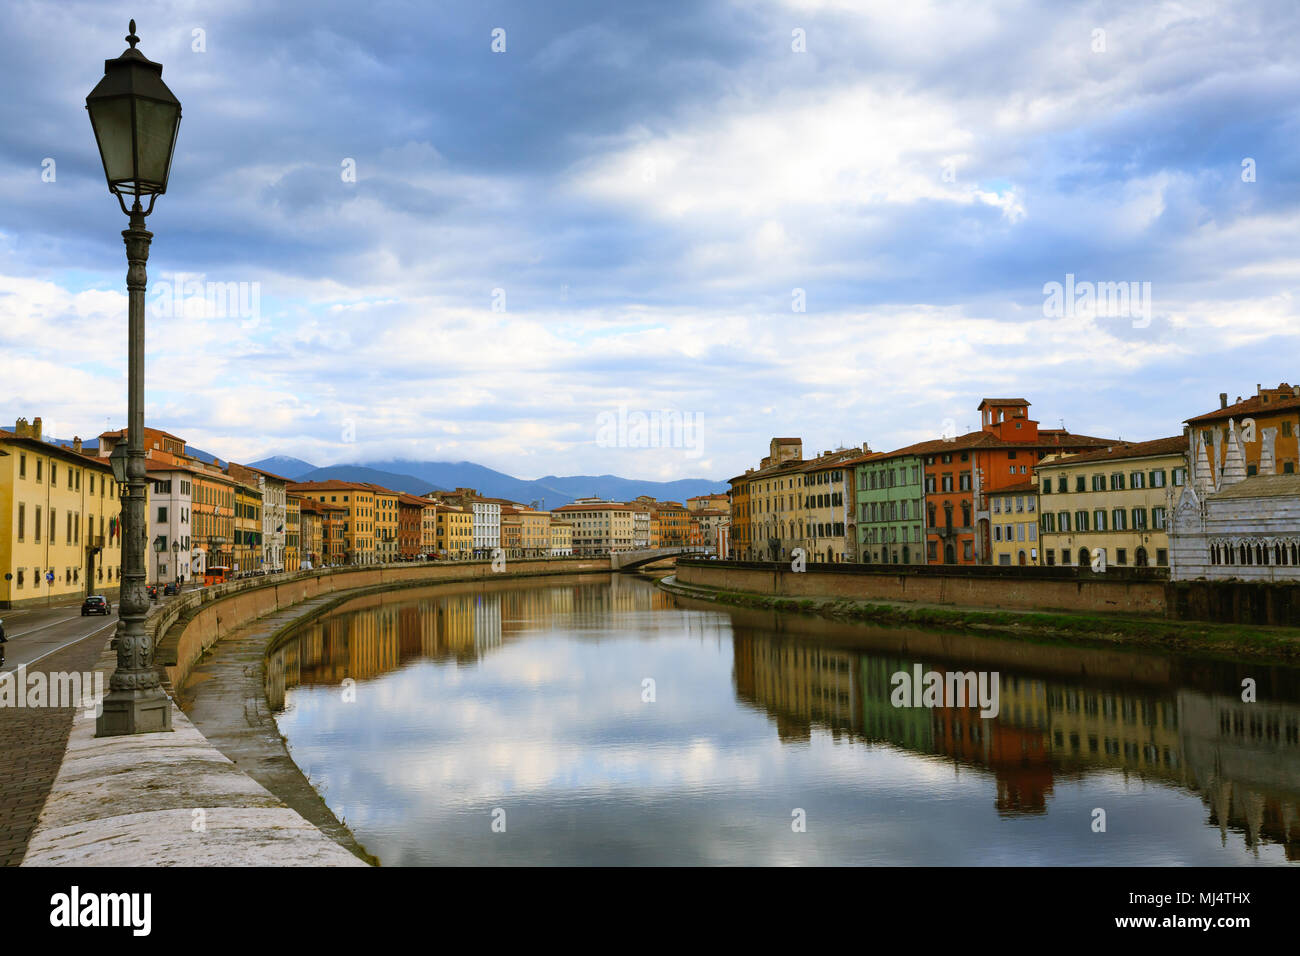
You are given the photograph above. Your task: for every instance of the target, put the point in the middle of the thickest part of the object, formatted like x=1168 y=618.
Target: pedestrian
x=3 y=639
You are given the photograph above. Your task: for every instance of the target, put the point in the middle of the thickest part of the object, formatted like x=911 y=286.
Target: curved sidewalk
x=166 y=799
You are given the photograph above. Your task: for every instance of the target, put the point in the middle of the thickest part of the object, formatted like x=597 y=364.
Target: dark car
x=172 y=588
x=95 y=604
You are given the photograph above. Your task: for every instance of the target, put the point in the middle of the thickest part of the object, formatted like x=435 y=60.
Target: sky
x=643 y=238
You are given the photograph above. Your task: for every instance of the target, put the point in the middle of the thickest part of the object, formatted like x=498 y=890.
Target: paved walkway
x=166 y=799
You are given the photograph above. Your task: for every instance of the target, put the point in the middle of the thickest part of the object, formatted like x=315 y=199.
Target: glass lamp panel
x=111 y=119
x=155 y=133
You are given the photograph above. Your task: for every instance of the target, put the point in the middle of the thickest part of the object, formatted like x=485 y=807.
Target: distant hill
x=421 y=477
x=395 y=482
x=283 y=465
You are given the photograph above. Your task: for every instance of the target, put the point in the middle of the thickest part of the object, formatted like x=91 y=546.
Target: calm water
x=423 y=719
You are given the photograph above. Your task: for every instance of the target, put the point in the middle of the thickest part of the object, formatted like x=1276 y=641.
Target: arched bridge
x=626 y=560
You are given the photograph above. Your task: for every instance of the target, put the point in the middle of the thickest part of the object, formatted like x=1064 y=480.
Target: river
x=600 y=720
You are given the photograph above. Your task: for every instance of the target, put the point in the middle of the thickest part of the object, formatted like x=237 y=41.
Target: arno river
x=517 y=723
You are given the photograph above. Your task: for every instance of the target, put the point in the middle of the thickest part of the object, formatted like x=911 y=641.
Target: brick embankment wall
x=1131 y=594
x=198 y=619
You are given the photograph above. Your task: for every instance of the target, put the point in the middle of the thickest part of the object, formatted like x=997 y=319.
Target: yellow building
x=60 y=530
x=292 y=533
x=387 y=546
x=534 y=533
x=1013 y=524
x=248 y=529
x=212 y=519
x=599 y=527
x=359 y=527
x=561 y=533
x=787 y=503
x=455 y=531
x=429 y=527
x=1112 y=502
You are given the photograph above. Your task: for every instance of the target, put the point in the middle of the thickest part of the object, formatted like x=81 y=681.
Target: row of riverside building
x=60 y=520
x=1221 y=501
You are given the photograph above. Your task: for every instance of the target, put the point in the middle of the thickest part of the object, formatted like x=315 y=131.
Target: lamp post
x=135 y=119
x=176 y=561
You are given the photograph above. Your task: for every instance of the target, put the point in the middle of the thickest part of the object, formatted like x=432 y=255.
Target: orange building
x=1269 y=420
x=961 y=474
x=410 y=526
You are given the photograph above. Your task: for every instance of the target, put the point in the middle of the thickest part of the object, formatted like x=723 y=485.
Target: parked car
x=96 y=604
x=172 y=588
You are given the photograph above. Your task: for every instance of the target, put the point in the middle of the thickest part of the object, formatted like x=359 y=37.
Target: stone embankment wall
x=193 y=622
x=1133 y=593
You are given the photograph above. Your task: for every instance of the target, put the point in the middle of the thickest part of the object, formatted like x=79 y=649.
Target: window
x=1047 y=486
x=1049 y=523
x=22 y=465
x=1139 y=519
x=1099 y=520
x=1158 y=518
x=1117 y=481
x=1063 y=521
x=1098 y=482
x=1138 y=479
x=1158 y=479
x=1119 y=520
x=1080 y=483
x=22 y=520
x=162 y=515
x=1121 y=556
x=1180 y=477
x=1081 y=521
x=1061 y=484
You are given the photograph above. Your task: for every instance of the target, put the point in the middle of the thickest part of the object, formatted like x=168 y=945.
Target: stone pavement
x=166 y=799
x=32 y=742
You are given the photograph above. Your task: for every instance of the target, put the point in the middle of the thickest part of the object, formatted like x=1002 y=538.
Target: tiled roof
x=1173 y=445
x=334 y=484
x=1250 y=406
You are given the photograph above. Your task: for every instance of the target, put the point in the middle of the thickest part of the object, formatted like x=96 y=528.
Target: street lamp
x=176 y=561
x=135 y=119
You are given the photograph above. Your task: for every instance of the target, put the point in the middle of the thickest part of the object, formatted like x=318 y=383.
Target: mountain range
x=422 y=477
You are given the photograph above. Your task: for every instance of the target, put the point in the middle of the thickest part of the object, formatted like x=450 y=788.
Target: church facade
x=1228 y=525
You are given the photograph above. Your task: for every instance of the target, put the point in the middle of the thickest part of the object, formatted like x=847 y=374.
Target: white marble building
x=1230 y=526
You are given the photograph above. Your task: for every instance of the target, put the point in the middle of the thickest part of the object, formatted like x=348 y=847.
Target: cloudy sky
x=826 y=218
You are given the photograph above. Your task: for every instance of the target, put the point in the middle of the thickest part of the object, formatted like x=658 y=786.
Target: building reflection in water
x=372 y=636
x=1170 y=723
x=1242 y=759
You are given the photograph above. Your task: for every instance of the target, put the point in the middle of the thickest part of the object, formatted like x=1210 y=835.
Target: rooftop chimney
x=36 y=428
x=1223 y=399
x=76 y=444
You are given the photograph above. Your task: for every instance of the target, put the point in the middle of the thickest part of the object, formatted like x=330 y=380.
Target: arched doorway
x=1085 y=559
x=1140 y=559
x=1022 y=559
x=949 y=554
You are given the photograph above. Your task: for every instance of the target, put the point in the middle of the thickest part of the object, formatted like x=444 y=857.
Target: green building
x=890 y=509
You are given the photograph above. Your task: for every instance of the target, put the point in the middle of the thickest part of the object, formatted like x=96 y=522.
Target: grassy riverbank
x=1226 y=641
